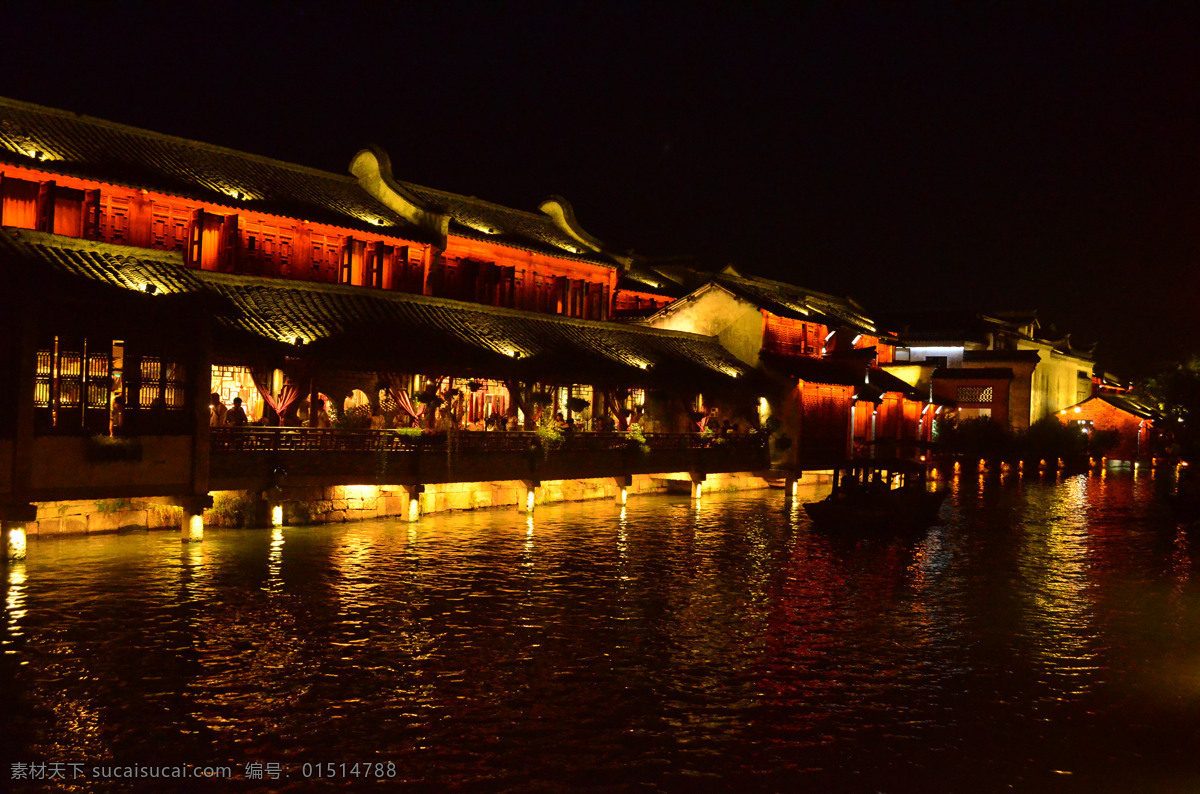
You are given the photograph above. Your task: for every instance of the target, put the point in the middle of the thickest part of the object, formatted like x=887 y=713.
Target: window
x=73 y=384
x=160 y=380
x=975 y=394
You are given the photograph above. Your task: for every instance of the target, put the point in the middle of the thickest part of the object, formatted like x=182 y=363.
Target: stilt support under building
x=698 y=479
x=528 y=495
x=623 y=482
x=411 y=494
x=192 y=530
x=14 y=540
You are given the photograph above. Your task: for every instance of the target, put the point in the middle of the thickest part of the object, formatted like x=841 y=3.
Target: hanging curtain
x=295 y=384
x=395 y=387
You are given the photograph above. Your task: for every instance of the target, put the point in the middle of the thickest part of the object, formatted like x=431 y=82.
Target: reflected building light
x=16 y=543
x=277 y=515
x=275 y=561
x=14 y=603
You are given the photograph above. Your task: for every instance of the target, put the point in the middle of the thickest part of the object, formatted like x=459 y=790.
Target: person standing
x=216 y=411
x=236 y=416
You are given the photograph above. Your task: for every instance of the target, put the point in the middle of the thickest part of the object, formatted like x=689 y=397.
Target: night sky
x=959 y=155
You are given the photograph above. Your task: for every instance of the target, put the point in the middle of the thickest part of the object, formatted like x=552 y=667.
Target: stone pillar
x=192 y=529
x=698 y=484
x=14 y=539
x=411 y=495
x=623 y=483
x=790 y=484
x=528 y=495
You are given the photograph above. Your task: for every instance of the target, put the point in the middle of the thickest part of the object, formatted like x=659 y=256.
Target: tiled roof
x=815 y=370
x=76 y=145
x=887 y=382
x=993 y=356
x=973 y=373
x=789 y=300
x=1127 y=403
x=482 y=220
x=367 y=324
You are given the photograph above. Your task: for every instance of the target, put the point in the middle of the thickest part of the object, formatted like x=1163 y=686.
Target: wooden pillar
x=141 y=216
x=201 y=368
x=313 y=397
x=27 y=314
x=426 y=267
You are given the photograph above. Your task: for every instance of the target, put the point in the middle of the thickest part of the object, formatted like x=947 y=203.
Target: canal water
x=1045 y=637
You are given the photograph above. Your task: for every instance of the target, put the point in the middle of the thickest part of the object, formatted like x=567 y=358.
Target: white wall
x=736 y=323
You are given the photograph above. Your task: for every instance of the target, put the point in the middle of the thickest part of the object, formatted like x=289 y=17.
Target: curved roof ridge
x=213 y=147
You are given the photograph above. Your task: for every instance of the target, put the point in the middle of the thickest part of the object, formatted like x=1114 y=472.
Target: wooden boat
x=878 y=495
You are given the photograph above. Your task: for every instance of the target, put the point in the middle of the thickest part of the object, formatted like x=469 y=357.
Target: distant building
x=823 y=355
x=1003 y=366
x=1118 y=412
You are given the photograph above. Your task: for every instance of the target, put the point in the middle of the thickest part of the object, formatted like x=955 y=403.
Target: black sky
x=963 y=155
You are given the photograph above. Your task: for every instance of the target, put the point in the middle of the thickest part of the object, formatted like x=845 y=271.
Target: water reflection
x=1044 y=625
x=275 y=561
x=14 y=606
x=1058 y=626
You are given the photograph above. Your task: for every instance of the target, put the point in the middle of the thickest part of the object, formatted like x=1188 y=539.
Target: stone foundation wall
x=337 y=504
x=103 y=515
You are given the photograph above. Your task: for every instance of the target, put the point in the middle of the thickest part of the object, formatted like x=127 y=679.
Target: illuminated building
x=1004 y=366
x=145 y=272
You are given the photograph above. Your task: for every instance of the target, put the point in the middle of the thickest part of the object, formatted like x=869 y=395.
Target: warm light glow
x=529 y=501
x=17 y=543
x=195 y=530
x=277 y=516
x=414 y=509
x=699 y=490
x=362 y=491
x=624 y=495
x=1078 y=410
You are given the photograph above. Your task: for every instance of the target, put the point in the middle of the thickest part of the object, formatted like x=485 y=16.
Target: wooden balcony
x=259 y=457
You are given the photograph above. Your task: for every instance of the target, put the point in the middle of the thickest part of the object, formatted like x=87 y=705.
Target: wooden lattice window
x=792 y=337
x=114 y=219
x=974 y=394
x=72 y=385
x=169 y=226
x=161 y=379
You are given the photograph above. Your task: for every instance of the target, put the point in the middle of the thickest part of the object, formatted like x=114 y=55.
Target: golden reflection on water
x=275 y=562
x=1059 y=622
x=475 y=647
x=355 y=583
x=14 y=605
